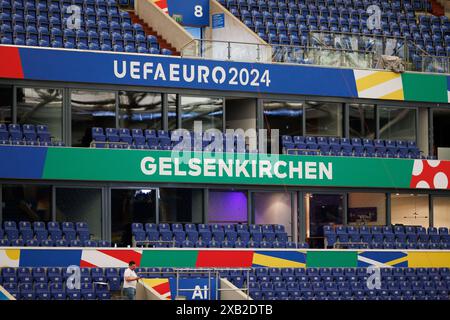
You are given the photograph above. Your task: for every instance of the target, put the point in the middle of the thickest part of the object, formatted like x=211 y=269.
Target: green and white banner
x=82 y=164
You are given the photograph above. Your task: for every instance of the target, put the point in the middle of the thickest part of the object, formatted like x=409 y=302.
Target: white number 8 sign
x=198 y=11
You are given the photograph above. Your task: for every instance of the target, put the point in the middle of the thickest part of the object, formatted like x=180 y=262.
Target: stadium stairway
x=437 y=9
x=146 y=290
x=149 y=31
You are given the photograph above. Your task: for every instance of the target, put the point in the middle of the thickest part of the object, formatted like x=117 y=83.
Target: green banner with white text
x=85 y=164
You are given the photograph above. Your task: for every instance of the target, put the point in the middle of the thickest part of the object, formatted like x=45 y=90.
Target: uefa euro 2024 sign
x=194 y=13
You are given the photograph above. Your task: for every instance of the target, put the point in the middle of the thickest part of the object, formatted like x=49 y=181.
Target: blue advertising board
x=194 y=288
x=193 y=13
x=174 y=72
x=218 y=21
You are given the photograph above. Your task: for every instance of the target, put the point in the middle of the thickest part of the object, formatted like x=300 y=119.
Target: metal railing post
x=177 y=275
x=229 y=50
x=258 y=53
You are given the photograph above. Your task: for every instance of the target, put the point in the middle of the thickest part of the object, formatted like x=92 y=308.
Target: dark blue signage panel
x=193 y=13
x=173 y=72
x=218 y=20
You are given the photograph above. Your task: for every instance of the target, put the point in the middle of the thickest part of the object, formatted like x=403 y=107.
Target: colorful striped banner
x=222 y=258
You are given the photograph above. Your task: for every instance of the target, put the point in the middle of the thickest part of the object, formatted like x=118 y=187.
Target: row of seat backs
x=26 y=131
x=396 y=229
x=253 y=228
x=54 y=243
x=223 y=244
x=308 y=140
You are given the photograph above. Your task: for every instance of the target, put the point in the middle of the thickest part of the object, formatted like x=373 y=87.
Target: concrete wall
x=443 y=153
x=441 y=212
x=144 y=292
x=364 y=200
x=274 y=208
x=234 y=31
x=446 y=5
x=232 y=292
x=162 y=23
x=410 y=210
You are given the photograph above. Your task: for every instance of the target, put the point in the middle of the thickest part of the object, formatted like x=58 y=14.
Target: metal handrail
x=195 y=41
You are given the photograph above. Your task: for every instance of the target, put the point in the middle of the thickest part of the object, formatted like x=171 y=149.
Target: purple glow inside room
x=227 y=207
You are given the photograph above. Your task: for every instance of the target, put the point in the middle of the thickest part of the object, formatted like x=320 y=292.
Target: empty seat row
x=220 y=244
x=54 y=243
x=347 y=146
x=280 y=23
x=210 y=235
x=65 y=234
x=388 y=237
x=57 y=291
x=26 y=132
x=102 y=26
x=166 y=140
x=39 y=231
x=266 y=228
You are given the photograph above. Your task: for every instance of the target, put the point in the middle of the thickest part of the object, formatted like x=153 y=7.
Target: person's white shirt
x=129 y=284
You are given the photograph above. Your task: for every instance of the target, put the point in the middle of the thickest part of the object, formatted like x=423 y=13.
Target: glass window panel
x=180 y=205
x=81 y=205
x=285 y=116
x=441 y=212
x=366 y=208
x=6 y=104
x=227 y=206
x=397 y=123
x=441 y=123
x=362 y=121
x=323 y=118
x=274 y=208
x=129 y=206
x=208 y=110
x=410 y=209
x=91 y=109
x=172 y=112
x=140 y=110
x=26 y=202
x=322 y=209
x=41 y=106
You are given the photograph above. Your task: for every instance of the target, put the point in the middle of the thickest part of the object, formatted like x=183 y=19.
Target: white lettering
x=240 y=168
x=148 y=69
x=216 y=70
x=310 y=170
x=178 y=172
x=194 y=166
x=160 y=72
x=191 y=76
x=118 y=74
x=165 y=166
x=209 y=167
x=328 y=171
x=174 y=72
x=134 y=69
x=148 y=166
x=264 y=168
x=203 y=73
x=297 y=170
x=276 y=169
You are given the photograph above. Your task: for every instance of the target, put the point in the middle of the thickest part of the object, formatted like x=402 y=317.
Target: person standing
x=130 y=279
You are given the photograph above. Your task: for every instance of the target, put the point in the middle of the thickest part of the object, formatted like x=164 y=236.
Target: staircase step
x=437 y=9
x=163 y=43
